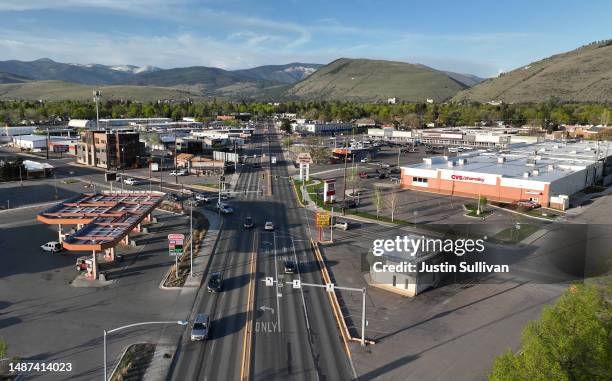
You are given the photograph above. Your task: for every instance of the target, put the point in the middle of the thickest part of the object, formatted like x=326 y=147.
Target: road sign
x=329 y=287
x=323 y=219
x=297 y=283
x=304 y=158
x=269 y=281
x=176 y=237
x=110 y=176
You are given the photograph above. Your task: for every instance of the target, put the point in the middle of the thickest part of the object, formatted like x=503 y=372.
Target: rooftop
x=108 y=217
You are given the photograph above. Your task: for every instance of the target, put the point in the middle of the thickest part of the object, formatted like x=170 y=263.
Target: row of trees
x=550 y=113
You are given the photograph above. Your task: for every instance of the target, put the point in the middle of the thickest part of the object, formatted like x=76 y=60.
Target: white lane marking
x=278 y=318
x=297 y=265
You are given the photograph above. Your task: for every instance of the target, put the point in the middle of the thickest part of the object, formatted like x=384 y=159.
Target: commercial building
x=110 y=149
x=30 y=142
x=110 y=123
x=449 y=137
x=546 y=173
x=315 y=127
x=82 y=123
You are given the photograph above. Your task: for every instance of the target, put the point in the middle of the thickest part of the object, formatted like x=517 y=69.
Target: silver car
x=201 y=326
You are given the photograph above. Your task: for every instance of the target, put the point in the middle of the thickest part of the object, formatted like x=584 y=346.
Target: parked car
x=52 y=247
x=382 y=175
x=179 y=172
x=269 y=226
x=248 y=223
x=290 y=267
x=202 y=197
x=215 y=282
x=200 y=328
x=365 y=160
x=363 y=175
x=395 y=179
x=343 y=225
x=130 y=181
x=173 y=197
x=528 y=204
x=81 y=263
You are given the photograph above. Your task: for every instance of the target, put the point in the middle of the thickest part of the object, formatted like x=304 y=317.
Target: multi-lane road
x=292 y=333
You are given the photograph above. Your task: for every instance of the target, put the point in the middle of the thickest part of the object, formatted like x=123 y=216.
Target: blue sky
x=478 y=37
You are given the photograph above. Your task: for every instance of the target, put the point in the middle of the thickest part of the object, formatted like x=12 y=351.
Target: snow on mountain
x=306 y=71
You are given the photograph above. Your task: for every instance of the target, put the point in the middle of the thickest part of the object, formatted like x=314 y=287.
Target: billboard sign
x=304 y=158
x=110 y=176
x=329 y=190
x=323 y=219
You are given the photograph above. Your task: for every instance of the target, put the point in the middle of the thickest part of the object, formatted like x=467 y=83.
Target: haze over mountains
x=584 y=74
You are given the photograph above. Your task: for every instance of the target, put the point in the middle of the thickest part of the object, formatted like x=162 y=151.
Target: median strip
x=245 y=370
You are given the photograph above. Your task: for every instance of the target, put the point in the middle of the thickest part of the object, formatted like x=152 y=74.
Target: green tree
x=286 y=125
x=570 y=341
x=3 y=349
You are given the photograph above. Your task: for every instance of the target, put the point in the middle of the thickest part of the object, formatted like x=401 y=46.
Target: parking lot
x=43 y=317
x=447 y=332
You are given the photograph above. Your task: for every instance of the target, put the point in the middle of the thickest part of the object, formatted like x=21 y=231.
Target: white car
x=52 y=247
x=343 y=225
x=130 y=181
x=269 y=226
x=202 y=197
x=179 y=172
x=365 y=160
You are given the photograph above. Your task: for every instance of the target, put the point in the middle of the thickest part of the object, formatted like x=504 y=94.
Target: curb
x=526 y=215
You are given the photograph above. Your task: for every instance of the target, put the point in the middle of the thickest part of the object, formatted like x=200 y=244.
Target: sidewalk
x=168 y=342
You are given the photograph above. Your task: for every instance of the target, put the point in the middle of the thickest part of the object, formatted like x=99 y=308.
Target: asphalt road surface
x=294 y=332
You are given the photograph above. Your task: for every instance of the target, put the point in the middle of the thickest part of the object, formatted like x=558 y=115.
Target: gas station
x=103 y=221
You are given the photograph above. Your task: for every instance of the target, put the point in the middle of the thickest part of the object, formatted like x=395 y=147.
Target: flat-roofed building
x=110 y=149
x=545 y=173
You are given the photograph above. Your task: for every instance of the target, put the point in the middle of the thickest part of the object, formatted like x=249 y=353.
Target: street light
x=179 y=322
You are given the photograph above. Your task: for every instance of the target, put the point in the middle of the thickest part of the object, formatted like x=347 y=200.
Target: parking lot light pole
x=106 y=333
x=191 y=240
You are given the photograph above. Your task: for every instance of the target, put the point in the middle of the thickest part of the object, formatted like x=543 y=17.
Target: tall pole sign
x=175 y=248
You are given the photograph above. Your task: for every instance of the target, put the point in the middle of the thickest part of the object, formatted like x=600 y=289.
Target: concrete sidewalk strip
x=160 y=365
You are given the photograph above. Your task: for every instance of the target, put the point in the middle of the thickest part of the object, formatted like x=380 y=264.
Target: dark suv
x=215 y=282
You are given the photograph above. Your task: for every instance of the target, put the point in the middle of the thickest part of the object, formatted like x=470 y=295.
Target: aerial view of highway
x=348 y=190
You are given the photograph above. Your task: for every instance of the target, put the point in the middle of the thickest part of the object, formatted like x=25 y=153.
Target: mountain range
x=580 y=75
x=583 y=75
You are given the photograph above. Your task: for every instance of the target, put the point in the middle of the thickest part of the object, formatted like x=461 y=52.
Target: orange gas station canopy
x=107 y=217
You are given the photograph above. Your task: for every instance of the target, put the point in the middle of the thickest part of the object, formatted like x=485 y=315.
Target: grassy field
x=582 y=75
x=372 y=80
x=59 y=90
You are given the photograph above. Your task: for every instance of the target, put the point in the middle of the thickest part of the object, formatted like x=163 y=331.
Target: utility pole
x=399 y=151
x=96 y=95
x=161 y=175
x=47 y=143
x=191 y=240
x=175 y=162
x=344 y=182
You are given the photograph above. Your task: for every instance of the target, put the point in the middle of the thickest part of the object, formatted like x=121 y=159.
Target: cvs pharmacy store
x=507 y=178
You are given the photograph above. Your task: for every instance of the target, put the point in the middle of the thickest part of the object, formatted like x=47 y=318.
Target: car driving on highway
x=200 y=328
x=215 y=282
x=269 y=226
x=290 y=267
x=248 y=223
